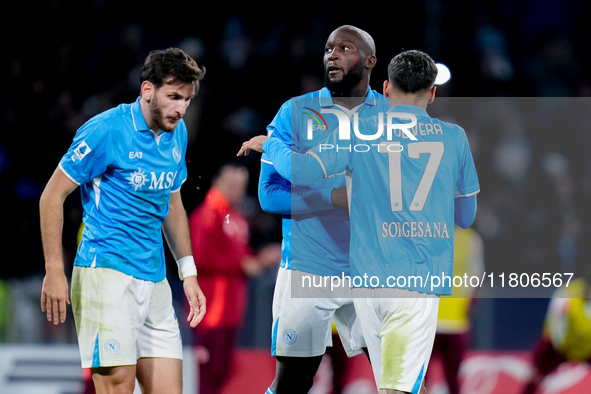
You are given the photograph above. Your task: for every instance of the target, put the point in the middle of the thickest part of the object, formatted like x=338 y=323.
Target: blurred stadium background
x=65 y=61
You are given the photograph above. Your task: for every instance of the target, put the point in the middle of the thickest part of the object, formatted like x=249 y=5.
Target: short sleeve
x=89 y=154
x=280 y=127
x=467 y=184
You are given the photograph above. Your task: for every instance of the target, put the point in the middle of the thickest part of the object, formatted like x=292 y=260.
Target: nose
x=181 y=107
x=332 y=54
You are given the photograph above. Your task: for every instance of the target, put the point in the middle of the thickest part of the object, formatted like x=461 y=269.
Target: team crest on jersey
x=176 y=154
x=137 y=179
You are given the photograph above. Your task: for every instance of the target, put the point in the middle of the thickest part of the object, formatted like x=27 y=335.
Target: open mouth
x=333 y=70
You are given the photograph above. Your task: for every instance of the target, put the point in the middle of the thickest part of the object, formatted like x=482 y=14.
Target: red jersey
x=220 y=238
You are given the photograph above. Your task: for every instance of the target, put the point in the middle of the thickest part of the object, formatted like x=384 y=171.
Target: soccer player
x=129 y=162
x=408 y=187
x=315 y=234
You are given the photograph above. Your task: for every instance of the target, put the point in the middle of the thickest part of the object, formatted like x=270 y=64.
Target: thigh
x=295 y=375
x=159 y=335
x=160 y=375
x=399 y=333
x=371 y=326
x=302 y=327
x=408 y=332
x=107 y=317
x=114 y=379
x=349 y=328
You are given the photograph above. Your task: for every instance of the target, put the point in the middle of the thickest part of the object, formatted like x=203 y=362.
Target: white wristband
x=186 y=267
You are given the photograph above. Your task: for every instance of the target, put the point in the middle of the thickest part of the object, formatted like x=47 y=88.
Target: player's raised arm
x=255 y=143
x=307 y=168
x=278 y=195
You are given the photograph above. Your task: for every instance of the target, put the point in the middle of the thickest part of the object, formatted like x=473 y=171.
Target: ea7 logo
x=135 y=155
x=162 y=181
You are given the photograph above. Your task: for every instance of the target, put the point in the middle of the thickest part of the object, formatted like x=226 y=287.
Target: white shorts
x=302 y=327
x=399 y=333
x=120 y=319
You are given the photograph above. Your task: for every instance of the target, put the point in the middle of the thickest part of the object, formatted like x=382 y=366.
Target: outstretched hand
x=255 y=143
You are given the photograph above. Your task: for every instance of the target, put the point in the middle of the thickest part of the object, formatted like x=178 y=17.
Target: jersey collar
x=409 y=109
x=326 y=98
x=139 y=123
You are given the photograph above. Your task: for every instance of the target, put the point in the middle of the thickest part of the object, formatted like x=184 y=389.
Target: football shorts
x=120 y=319
x=302 y=327
x=399 y=332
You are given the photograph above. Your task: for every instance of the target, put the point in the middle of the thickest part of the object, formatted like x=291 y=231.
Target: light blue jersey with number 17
x=401 y=193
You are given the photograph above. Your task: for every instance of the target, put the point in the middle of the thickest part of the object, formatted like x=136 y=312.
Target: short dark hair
x=412 y=71
x=170 y=65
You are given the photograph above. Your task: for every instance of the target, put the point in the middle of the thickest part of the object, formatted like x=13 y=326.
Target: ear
x=147 y=90
x=432 y=94
x=370 y=61
x=386 y=89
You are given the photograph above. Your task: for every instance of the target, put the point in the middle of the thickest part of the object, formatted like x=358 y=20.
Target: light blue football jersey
x=401 y=194
x=316 y=242
x=126 y=174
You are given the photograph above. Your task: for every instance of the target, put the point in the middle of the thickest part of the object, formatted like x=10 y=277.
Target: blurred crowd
x=519 y=87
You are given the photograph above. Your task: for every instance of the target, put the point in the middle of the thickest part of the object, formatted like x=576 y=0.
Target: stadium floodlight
x=443 y=74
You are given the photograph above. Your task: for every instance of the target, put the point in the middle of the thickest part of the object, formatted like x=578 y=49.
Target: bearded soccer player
x=315 y=233
x=129 y=162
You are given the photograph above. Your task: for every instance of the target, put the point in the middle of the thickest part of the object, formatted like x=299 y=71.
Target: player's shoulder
x=315 y=98
x=375 y=93
x=110 y=120
x=451 y=130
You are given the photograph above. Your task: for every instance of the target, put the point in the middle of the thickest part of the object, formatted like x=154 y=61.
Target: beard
x=350 y=79
x=159 y=119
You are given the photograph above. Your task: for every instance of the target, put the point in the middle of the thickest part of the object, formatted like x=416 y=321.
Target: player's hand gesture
x=196 y=300
x=54 y=296
x=255 y=143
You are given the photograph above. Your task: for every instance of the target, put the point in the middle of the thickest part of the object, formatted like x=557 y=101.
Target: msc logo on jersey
x=137 y=179
x=163 y=180
x=289 y=337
